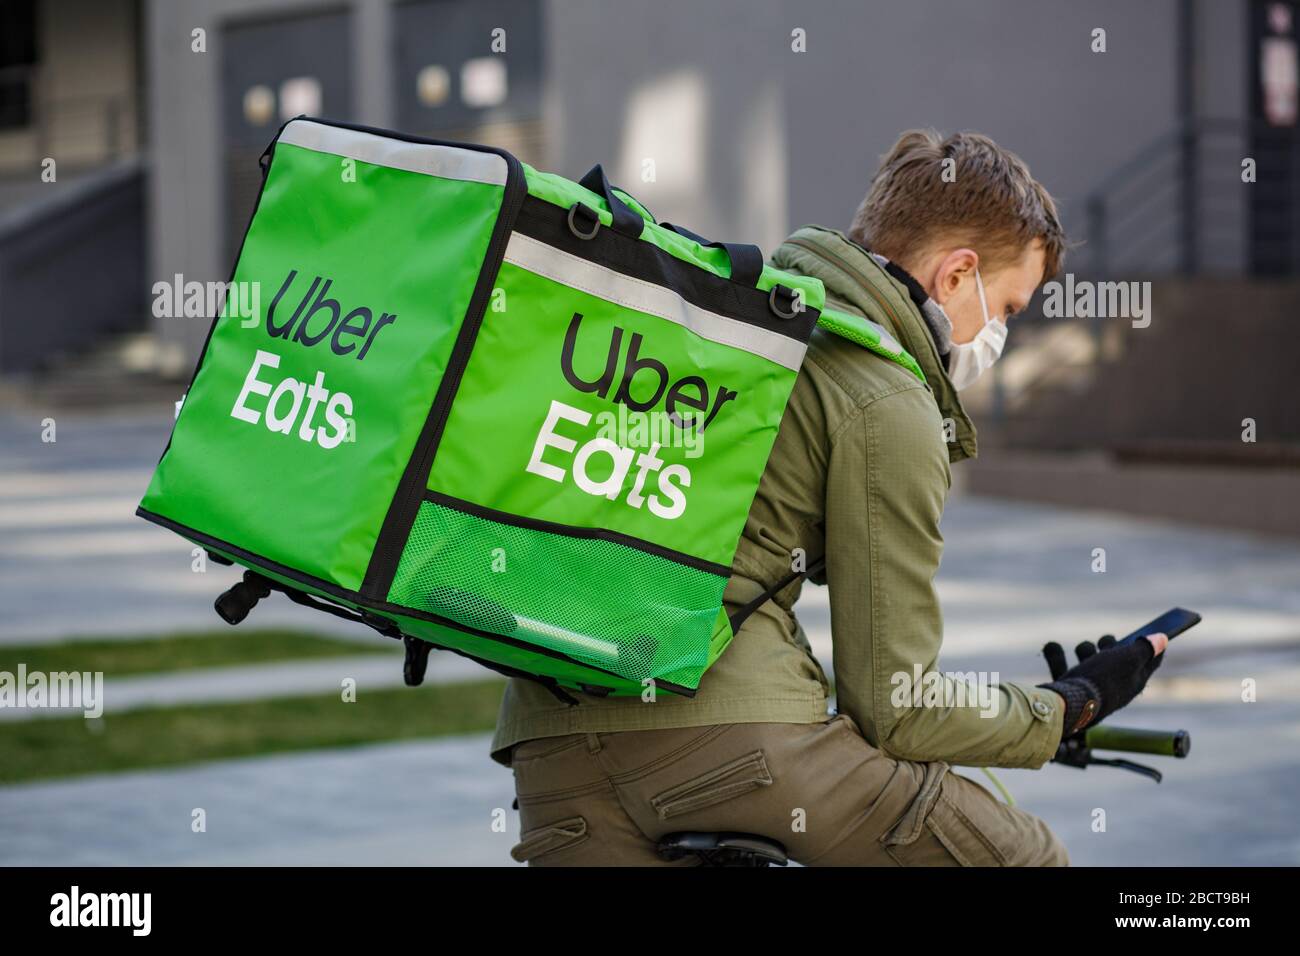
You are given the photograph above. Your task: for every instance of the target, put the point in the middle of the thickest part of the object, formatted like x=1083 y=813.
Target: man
x=951 y=240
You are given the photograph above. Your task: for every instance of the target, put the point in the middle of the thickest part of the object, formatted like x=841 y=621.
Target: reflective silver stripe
x=578 y=273
x=447 y=162
x=886 y=340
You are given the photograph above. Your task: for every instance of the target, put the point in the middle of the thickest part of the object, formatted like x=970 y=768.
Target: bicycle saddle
x=723 y=849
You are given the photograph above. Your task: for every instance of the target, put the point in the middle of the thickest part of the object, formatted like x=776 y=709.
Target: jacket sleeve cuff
x=1049 y=710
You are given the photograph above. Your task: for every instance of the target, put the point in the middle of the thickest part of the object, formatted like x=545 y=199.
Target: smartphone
x=1171 y=624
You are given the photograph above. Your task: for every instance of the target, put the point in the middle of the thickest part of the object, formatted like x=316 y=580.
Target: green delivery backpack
x=487 y=409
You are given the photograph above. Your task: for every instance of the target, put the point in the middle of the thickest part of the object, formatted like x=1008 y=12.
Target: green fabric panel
x=531 y=662
x=313 y=494
x=601 y=602
x=515 y=385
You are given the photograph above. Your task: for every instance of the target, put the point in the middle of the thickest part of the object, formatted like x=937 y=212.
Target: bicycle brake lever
x=1075 y=753
x=1143 y=769
x=1127 y=765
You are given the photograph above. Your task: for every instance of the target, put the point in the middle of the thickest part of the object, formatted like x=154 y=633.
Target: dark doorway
x=454 y=81
x=272 y=70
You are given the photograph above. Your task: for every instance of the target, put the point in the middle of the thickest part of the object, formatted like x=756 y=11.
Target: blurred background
x=1124 y=467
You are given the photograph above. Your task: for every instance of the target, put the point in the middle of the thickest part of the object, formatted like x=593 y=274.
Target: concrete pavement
x=218 y=685
x=74 y=558
x=75 y=561
x=1231 y=803
x=388 y=804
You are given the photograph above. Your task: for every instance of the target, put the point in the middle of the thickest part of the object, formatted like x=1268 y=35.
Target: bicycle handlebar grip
x=1168 y=743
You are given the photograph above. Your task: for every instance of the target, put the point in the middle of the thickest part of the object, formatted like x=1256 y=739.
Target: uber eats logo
x=308 y=409
x=630 y=377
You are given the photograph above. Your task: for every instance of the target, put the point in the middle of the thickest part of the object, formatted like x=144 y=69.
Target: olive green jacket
x=859 y=473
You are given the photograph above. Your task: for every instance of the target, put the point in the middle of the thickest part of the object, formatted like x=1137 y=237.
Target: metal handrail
x=1180 y=205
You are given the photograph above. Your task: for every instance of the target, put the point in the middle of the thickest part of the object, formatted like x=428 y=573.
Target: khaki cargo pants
x=603 y=799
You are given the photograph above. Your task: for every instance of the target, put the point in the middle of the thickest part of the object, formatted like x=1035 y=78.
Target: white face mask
x=967 y=361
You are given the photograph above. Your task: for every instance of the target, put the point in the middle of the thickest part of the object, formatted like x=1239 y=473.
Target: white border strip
x=447 y=162
x=577 y=273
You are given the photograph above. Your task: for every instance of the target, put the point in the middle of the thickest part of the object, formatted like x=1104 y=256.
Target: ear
x=952 y=270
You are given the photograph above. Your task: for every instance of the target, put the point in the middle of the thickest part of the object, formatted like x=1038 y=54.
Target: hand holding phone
x=1110 y=673
x=1172 y=623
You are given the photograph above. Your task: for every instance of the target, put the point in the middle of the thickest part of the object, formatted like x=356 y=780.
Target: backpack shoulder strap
x=870 y=335
x=743 y=614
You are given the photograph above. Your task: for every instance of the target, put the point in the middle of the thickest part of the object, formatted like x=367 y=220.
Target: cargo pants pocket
x=936 y=830
x=542 y=840
x=715 y=786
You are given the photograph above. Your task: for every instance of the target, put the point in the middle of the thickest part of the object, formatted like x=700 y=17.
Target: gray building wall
x=704 y=112
x=1020 y=72
x=697 y=89
x=1023 y=73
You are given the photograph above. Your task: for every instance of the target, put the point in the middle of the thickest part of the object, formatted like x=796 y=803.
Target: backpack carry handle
x=627 y=221
x=746 y=260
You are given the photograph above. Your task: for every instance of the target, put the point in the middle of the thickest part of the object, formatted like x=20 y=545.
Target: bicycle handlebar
x=1167 y=743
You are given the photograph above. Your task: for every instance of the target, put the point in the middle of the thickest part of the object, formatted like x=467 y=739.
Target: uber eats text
x=312 y=323
x=601 y=466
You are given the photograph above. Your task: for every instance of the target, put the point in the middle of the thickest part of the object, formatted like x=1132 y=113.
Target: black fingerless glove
x=1107 y=677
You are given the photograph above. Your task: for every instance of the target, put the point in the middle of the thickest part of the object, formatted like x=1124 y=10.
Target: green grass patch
x=177 y=652
x=45 y=747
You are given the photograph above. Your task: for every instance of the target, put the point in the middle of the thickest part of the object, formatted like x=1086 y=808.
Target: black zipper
x=410 y=489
